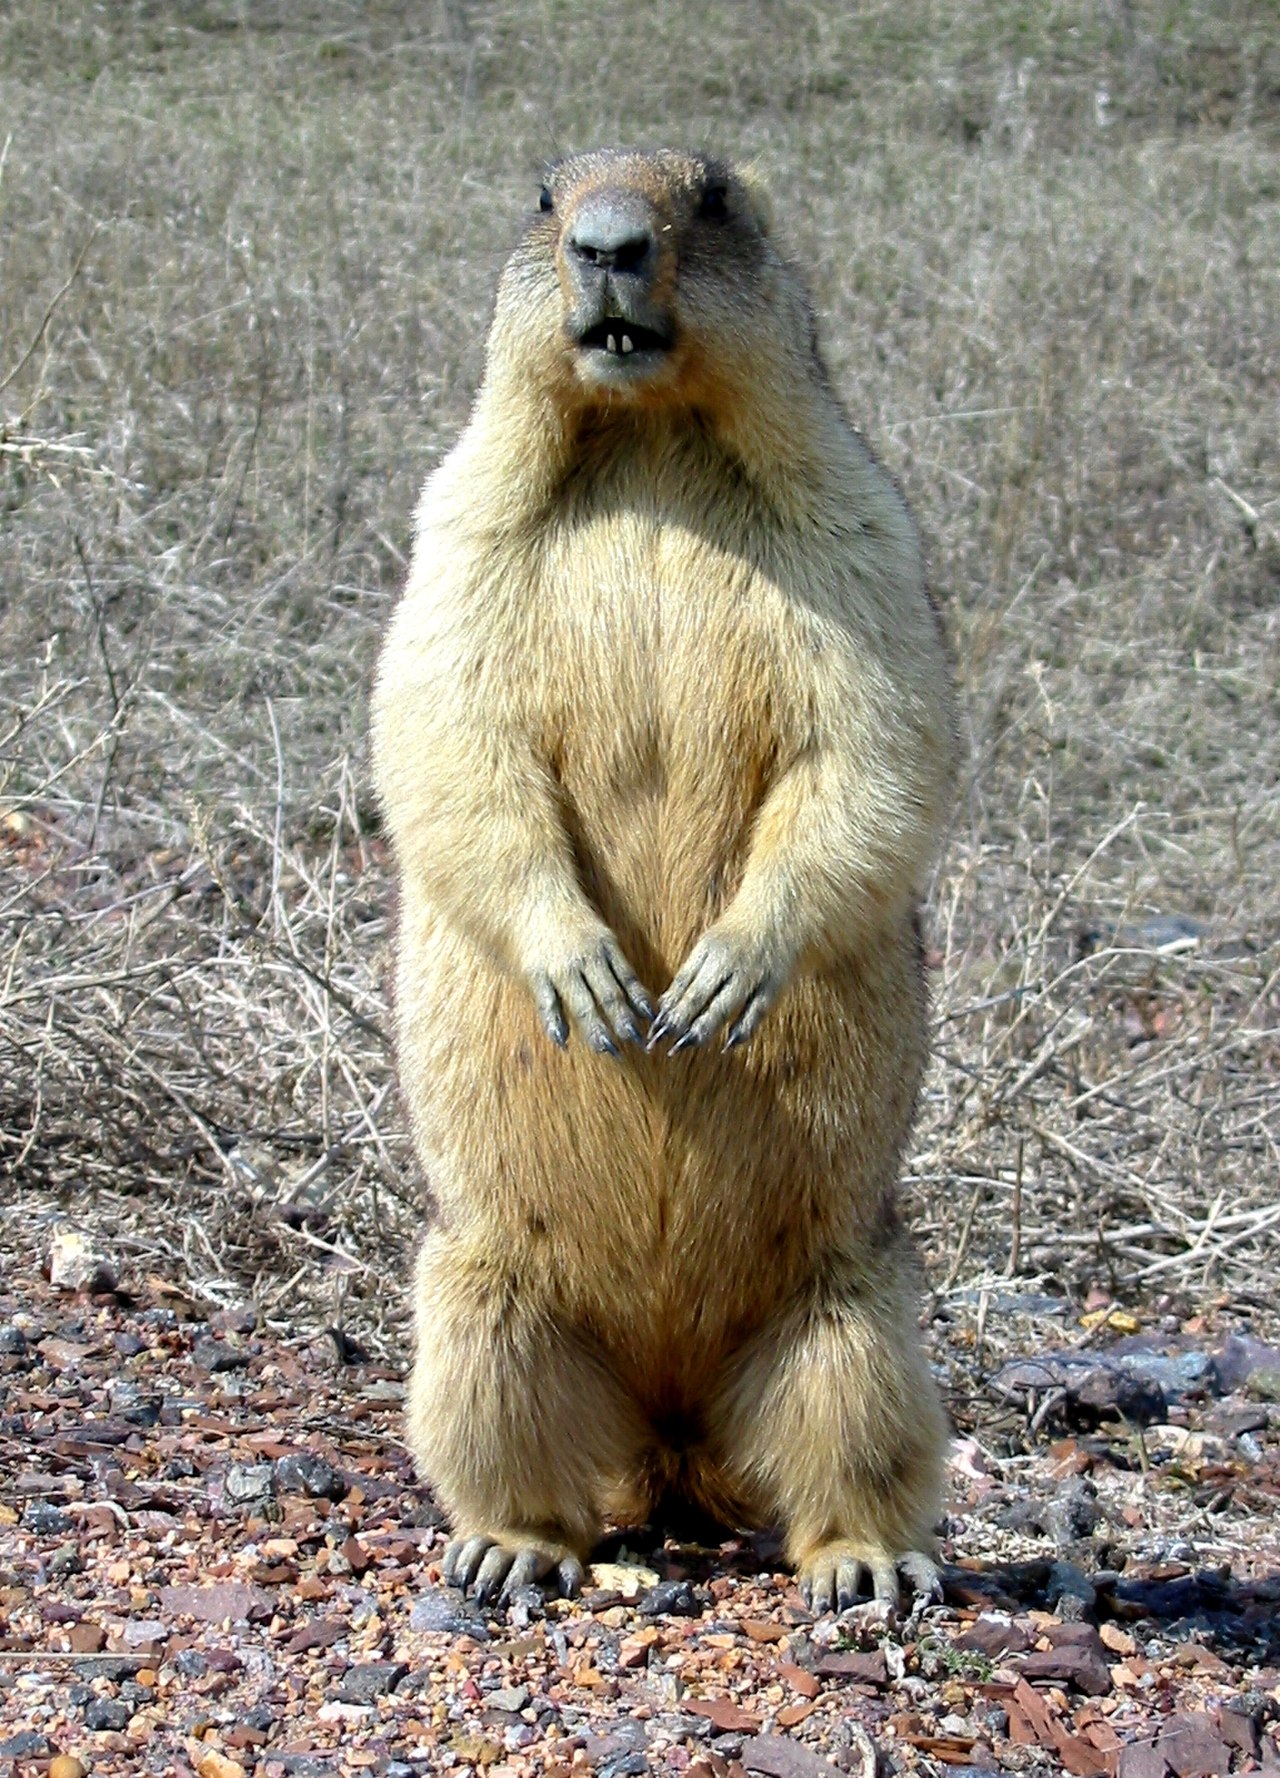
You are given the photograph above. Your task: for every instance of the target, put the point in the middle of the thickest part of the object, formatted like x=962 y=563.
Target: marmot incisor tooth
x=663 y=729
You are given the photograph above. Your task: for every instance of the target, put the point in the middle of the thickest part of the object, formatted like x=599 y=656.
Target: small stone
x=1069 y=1592
x=1072 y=1511
x=1192 y=1747
x=74 y=1264
x=780 y=1757
x=223 y=1599
x=444 y=1609
x=1077 y=1657
x=107 y=1713
x=44 y=1518
x=13 y=1342
x=851 y=1664
x=1263 y=1384
x=627 y=1579
x=134 y=1404
x=525 y=1605
x=996 y=1636
x=670 y=1598
x=511 y=1698
x=247 y=1484
x=627 y=1736
x=215 y=1355
x=87 y=1639
x=374 y=1679
x=26 y=1744
x=190 y=1663
x=1141 y=1759
x=305 y=1472
x=66 y=1765
x=624 y=1765
x=216 y=1765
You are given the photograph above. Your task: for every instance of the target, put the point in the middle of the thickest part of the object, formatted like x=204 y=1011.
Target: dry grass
x=242 y=294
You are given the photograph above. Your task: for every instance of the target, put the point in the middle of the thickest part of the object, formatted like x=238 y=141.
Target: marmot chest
x=669 y=702
x=668 y=670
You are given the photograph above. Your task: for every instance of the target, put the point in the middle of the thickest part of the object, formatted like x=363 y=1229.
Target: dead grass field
x=245 y=258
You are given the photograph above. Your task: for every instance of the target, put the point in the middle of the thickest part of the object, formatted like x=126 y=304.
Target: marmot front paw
x=725 y=980
x=593 y=984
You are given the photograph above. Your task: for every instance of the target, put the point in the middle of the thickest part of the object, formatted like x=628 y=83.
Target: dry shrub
x=247 y=261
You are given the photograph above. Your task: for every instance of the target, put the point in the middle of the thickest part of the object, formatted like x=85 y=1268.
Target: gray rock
x=107 y=1713
x=13 y=1342
x=446 y=1610
x=215 y=1355
x=1177 y=1374
x=304 y=1472
x=44 y=1518
x=525 y=1606
x=26 y=1744
x=1093 y=1387
x=1072 y=1511
x=1070 y=1593
x=511 y=1698
x=247 y=1483
x=1240 y=1355
x=1263 y=1384
x=615 y=1739
x=372 y=1679
x=65 y=1560
x=670 y=1598
x=680 y=1726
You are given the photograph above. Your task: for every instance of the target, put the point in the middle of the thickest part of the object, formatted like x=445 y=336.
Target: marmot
x=663 y=732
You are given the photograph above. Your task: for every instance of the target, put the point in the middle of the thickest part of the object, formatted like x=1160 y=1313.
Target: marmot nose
x=614 y=232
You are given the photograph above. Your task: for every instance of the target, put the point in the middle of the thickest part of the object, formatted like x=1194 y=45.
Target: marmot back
x=663 y=733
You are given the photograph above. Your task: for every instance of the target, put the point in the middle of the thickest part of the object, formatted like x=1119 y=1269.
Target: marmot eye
x=715 y=204
x=544 y=199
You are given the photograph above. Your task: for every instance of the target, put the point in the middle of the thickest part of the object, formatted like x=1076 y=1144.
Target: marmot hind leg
x=830 y=1422
x=515 y=1420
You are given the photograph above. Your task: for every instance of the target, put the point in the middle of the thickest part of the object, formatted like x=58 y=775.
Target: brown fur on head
x=647 y=279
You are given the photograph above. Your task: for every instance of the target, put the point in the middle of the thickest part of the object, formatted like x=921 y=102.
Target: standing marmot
x=664 y=710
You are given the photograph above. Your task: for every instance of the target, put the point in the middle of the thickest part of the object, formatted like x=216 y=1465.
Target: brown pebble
x=66 y=1765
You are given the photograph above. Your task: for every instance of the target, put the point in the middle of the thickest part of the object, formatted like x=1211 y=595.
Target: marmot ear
x=751 y=179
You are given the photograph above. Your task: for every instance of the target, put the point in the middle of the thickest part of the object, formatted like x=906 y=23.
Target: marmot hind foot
x=492 y=1568
x=831 y=1578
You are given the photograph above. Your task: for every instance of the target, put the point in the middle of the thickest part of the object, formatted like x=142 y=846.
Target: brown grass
x=246 y=262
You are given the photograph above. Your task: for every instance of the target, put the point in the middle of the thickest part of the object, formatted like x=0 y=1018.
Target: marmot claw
x=832 y=1580
x=493 y=1570
x=721 y=983
x=598 y=989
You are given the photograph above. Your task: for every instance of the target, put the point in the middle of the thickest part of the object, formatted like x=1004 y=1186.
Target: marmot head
x=646 y=278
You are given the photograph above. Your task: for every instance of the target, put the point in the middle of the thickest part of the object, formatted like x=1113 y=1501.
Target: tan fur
x=665 y=666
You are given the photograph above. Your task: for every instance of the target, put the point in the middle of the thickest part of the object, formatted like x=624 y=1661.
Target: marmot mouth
x=623 y=338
